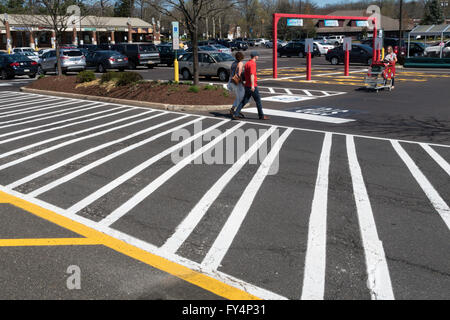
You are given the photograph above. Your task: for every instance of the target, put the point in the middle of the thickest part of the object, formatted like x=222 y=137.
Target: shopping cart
x=380 y=76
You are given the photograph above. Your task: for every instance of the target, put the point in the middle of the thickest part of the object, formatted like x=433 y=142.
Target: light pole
x=400 y=25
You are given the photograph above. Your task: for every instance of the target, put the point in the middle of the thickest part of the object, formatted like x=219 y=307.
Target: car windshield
x=221 y=57
x=27 y=53
x=147 y=48
x=72 y=53
x=207 y=48
x=220 y=46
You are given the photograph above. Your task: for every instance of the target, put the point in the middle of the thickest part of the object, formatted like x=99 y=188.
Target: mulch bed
x=148 y=91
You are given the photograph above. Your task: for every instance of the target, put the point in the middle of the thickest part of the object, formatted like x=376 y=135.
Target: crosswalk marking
x=56 y=122
x=222 y=236
x=223 y=241
x=20 y=104
x=98 y=162
x=34 y=109
x=185 y=228
x=314 y=277
x=129 y=174
x=434 y=197
x=55 y=147
x=155 y=184
x=379 y=281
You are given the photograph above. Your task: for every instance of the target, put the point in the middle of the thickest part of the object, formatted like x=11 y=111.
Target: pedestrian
x=391 y=57
x=236 y=82
x=251 y=88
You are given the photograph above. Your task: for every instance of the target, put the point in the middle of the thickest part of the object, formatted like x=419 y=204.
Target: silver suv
x=210 y=63
x=71 y=60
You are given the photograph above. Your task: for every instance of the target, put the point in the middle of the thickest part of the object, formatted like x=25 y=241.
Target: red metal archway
x=278 y=16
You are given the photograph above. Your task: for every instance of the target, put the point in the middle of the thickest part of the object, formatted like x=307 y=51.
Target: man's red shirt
x=250 y=69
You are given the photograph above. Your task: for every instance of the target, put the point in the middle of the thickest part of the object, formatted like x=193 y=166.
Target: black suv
x=139 y=54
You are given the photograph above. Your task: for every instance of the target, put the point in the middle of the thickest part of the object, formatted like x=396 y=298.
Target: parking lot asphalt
x=357 y=208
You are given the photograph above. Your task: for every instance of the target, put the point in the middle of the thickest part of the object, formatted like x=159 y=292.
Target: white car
x=323 y=47
x=31 y=55
x=260 y=42
x=334 y=40
x=435 y=51
x=221 y=48
x=22 y=50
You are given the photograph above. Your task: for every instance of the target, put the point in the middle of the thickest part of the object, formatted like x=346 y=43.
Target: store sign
x=362 y=23
x=89 y=29
x=295 y=22
x=331 y=23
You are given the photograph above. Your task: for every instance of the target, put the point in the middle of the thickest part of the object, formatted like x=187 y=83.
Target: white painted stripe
x=21 y=103
x=33 y=155
x=271 y=90
x=230 y=280
x=436 y=200
x=100 y=161
x=33 y=109
x=187 y=226
x=325 y=93
x=56 y=114
x=436 y=157
x=315 y=261
x=288 y=91
x=309 y=94
x=16 y=98
x=129 y=174
x=128 y=205
x=379 y=281
x=64 y=126
x=226 y=236
x=320 y=74
x=302 y=116
x=54 y=123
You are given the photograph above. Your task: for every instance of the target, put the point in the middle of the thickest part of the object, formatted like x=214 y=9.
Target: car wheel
x=336 y=44
x=334 y=61
x=32 y=75
x=56 y=70
x=101 y=68
x=223 y=75
x=186 y=74
x=301 y=54
x=369 y=62
x=4 y=75
x=121 y=69
x=132 y=65
x=150 y=66
x=40 y=70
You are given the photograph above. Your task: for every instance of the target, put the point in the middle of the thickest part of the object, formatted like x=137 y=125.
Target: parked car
x=296 y=48
x=239 y=45
x=334 y=40
x=12 y=65
x=139 y=54
x=71 y=60
x=281 y=43
x=21 y=50
x=251 y=42
x=323 y=47
x=167 y=54
x=221 y=48
x=89 y=47
x=260 y=42
x=359 y=53
x=435 y=50
x=32 y=55
x=42 y=51
x=210 y=64
x=102 y=60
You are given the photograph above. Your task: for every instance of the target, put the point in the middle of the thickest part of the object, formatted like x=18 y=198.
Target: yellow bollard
x=175 y=68
x=382 y=54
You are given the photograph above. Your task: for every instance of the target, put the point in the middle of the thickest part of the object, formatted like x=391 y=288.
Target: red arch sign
x=278 y=16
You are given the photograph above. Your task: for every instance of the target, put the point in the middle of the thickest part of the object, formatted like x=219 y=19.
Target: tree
x=433 y=13
x=124 y=8
x=192 y=13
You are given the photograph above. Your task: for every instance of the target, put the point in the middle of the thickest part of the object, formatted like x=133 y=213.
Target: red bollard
x=308 y=66
x=347 y=63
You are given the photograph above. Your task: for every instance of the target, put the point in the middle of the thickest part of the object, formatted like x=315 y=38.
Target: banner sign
x=378 y=43
x=331 y=23
x=295 y=22
x=362 y=23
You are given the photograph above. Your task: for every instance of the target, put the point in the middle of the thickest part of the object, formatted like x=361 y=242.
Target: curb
x=145 y=104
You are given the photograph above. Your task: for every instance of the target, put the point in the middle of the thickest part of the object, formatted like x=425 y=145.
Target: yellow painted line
x=196 y=278
x=48 y=242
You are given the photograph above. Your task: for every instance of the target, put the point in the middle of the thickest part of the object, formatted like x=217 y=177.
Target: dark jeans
x=250 y=94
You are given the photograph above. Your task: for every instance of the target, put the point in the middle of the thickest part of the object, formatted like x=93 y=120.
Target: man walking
x=251 y=88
